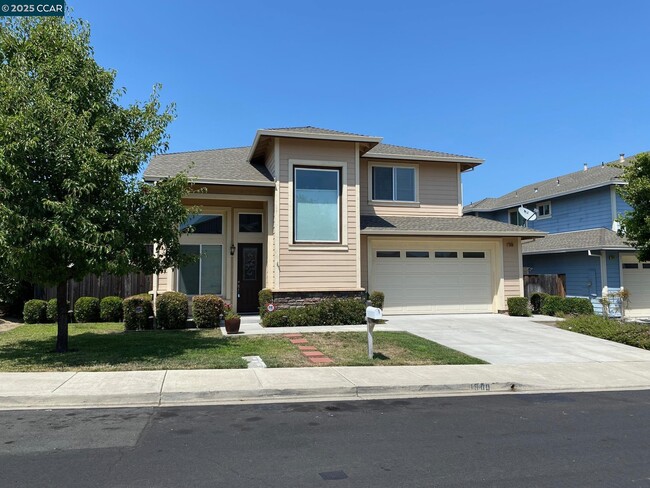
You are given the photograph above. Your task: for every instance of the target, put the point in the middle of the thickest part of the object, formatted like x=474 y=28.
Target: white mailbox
x=373 y=313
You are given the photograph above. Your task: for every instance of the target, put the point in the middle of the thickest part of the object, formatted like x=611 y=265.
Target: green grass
x=106 y=347
x=630 y=333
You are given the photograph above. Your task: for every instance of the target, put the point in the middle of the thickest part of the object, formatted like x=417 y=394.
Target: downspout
x=603 y=270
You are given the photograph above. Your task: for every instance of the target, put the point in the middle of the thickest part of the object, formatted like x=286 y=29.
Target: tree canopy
x=71 y=199
x=635 y=225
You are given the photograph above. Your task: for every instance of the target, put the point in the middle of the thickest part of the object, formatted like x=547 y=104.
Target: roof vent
x=585 y=167
x=535 y=189
x=621 y=158
x=558 y=182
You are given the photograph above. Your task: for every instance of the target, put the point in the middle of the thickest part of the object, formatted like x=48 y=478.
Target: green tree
x=71 y=202
x=635 y=225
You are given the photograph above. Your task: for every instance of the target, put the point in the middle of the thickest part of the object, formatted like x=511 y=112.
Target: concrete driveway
x=501 y=339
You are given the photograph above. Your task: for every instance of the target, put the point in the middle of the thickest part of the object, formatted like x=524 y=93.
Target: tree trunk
x=62 y=317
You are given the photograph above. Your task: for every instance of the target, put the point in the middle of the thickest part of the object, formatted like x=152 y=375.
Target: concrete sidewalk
x=200 y=387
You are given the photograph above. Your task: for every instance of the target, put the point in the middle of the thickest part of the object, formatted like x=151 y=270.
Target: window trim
x=416 y=184
x=245 y=212
x=542 y=204
x=519 y=217
x=207 y=214
x=223 y=268
x=342 y=243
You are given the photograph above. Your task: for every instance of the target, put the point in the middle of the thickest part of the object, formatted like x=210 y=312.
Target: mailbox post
x=373 y=317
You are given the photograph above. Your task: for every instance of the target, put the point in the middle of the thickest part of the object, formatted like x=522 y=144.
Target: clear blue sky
x=535 y=88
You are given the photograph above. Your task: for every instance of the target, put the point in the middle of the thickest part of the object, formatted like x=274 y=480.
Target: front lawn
x=630 y=333
x=106 y=347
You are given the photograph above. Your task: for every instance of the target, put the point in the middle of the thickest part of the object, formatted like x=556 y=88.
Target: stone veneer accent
x=289 y=299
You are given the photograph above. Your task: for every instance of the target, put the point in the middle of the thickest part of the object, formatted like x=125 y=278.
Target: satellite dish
x=529 y=215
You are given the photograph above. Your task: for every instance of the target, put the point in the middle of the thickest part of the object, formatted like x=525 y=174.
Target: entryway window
x=204 y=275
x=317 y=205
x=393 y=183
x=250 y=222
x=204 y=224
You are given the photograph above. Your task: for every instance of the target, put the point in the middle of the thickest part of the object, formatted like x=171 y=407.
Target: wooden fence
x=101 y=286
x=552 y=284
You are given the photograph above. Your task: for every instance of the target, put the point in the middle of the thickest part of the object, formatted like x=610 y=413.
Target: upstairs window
x=393 y=183
x=543 y=210
x=515 y=218
x=317 y=205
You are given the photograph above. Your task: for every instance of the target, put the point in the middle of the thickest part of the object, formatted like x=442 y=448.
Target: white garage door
x=636 y=278
x=430 y=279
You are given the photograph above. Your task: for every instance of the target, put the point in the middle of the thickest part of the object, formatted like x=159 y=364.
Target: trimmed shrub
x=265 y=297
x=86 y=309
x=137 y=310
x=34 y=311
x=206 y=310
x=172 y=310
x=331 y=311
x=537 y=301
x=518 y=307
x=51 y=312
x=377 y=299
x=552 y=305
x=577 y=306
x=110 y=309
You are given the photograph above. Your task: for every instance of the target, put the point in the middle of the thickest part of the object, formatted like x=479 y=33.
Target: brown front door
x=249 y=277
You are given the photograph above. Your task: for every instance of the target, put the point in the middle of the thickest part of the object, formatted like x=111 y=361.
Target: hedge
x=137 y=310
x=518 y=307
x=111 y=309
x=377 y=299
x=206 y=310
x=34 y=311
x=554 y=305
x=51 y=312
x=265 y=297
x=86 y=310
x=172 y=310
x=331 y=311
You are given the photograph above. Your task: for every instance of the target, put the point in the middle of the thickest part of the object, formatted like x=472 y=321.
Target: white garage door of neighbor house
x=433 y=280
x=636 y=279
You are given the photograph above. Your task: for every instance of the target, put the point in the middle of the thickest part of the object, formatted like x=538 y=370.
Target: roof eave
x=371 y=140
x=208 y=181
x=454 y=233
x=582 y=249
x=470 y=161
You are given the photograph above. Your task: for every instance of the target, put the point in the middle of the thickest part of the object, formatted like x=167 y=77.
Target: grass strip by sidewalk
x=106 y=347
x=630 y=333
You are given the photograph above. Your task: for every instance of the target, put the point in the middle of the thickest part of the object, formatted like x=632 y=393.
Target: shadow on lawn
x=91 y=349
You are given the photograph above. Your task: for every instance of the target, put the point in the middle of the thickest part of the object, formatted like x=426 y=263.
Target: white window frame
x=519 y=218
x=223 y=266
x=542 y=205
x=342 y=244
x=393 y=166
x=246 y=212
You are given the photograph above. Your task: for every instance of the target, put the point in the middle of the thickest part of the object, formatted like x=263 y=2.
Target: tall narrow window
x=317 y=205
x=203 y=275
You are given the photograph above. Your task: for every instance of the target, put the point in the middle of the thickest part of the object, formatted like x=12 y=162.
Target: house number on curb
x=481 y=386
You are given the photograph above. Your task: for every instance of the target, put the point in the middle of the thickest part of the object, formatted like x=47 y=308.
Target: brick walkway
x=310 y=352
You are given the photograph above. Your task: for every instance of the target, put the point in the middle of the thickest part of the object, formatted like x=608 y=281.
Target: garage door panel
x=637 y=282
x=433 y=285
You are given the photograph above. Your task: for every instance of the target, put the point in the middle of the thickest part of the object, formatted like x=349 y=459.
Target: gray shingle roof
x=594 y=177
x=314 y=130
x=212 y=165
x=579 y=240
x=388 y=150
x=372 y=224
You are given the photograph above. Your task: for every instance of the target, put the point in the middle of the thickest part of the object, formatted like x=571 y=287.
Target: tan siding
x=363 y=249
x=163 y=282
x=438 y=192
x=511 y=275
x=302 y=269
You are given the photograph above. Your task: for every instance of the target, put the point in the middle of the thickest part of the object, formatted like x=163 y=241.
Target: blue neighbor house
x=579 y=211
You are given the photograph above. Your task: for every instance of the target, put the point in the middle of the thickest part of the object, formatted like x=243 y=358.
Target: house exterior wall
x=580 y=211
x=582 y=271
x=438 y=191
x=309 y=267
x=621 y=205
x=512 y=271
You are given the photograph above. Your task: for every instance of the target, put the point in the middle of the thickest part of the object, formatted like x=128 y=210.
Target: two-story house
x=311 y=213
x=579 y=211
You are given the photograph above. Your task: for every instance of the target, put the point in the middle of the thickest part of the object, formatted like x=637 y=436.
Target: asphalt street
x=525 y=440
